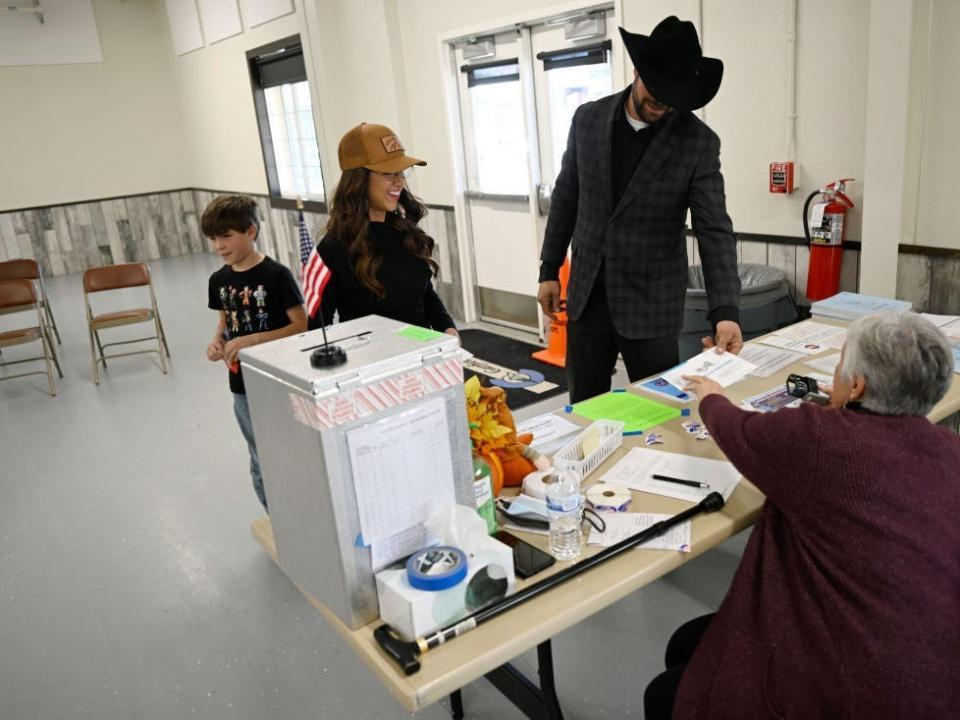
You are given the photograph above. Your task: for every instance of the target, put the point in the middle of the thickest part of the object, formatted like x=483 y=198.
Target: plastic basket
x=569 y=457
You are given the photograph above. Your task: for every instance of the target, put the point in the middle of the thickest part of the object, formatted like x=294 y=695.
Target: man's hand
x=452 y=331
x=549 y=298
x=233 y=348
x=702 y=387
x=215 y=349
x=729 y=338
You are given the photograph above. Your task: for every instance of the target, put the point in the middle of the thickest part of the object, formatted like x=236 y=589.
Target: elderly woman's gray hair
x=905 y=360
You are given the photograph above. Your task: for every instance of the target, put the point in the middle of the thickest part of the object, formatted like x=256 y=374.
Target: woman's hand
x=452 y=331
x=702 y=386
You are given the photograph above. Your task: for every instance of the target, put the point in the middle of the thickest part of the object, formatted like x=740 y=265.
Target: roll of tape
x=436 y=568
x=608 y=498
x=535 y=484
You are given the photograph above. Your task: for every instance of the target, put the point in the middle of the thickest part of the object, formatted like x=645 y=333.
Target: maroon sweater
x=846 y=603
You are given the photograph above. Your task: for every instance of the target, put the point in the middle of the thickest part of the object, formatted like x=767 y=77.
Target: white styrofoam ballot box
x=413 y=613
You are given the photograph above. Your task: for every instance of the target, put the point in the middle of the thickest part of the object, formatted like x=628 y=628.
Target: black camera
x=806 y=388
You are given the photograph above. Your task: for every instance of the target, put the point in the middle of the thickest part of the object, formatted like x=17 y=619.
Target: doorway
x=516 y=90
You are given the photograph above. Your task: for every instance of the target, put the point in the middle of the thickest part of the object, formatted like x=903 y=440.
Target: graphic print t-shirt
x=255 y=301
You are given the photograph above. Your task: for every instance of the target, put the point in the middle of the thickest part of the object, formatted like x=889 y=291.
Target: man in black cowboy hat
x=635 y=163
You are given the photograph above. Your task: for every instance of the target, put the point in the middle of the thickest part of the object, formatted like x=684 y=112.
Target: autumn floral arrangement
x=493 y=433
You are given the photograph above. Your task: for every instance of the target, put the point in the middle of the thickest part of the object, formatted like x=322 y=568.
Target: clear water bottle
x=483 y=492
x=564 y=509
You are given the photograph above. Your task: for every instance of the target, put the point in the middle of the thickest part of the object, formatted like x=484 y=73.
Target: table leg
x=456 y=705
x=537 y=703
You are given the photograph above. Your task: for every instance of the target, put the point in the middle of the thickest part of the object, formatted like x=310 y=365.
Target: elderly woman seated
x=846 y=603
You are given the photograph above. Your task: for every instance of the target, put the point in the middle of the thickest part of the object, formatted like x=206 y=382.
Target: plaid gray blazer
x=641 y=242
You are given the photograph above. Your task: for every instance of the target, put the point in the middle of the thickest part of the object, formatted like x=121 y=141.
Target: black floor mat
x=515 y=356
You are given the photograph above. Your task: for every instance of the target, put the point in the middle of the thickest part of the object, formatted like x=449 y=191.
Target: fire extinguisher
x=824 y=230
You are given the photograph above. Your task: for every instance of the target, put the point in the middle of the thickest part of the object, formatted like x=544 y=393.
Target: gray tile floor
x=130 y=586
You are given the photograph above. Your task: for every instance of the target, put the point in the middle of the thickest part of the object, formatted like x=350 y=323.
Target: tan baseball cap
x=375 y=147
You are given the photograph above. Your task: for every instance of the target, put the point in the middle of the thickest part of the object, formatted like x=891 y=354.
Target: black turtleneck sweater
x=409 y=298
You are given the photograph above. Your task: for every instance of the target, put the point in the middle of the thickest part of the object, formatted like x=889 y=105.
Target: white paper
x=807 y=337
x=634 y=470
x=620 y=526
x=768 y=359
x=940 y=320
x=385 y=551
x=402 y=471
x=724 y=368
x=952 y=330
x=548 y=430
x=826 y=364
x=807 y=347
x=835 y=341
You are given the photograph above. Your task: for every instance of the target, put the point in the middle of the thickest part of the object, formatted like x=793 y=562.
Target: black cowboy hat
x=672 y=66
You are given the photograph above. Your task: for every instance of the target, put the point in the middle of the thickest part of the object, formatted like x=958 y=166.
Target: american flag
x=314 y=275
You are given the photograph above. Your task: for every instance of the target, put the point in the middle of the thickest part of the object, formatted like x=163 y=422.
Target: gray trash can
x=765 y=305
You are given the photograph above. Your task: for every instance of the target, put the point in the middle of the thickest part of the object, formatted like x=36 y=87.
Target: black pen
x=678 y=481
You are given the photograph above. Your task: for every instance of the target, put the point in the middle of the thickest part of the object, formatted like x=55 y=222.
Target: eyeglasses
x=402 y=175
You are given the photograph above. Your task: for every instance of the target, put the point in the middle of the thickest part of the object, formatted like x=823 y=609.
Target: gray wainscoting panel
x=753 y=252
x=71 y=238
x=913 y=280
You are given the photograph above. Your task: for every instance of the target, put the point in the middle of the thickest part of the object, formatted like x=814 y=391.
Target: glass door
x=517 y=92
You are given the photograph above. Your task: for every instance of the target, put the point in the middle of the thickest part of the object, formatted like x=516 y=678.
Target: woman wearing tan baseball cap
x=379 y=259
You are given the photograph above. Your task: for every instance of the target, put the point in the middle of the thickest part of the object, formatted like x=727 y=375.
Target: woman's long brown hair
x=350 y=224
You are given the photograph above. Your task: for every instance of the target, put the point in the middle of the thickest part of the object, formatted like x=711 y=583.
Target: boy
x=250 y=285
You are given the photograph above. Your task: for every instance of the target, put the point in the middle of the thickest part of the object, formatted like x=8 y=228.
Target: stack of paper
x=638 y=414
x=850 y=306
x=550 y=432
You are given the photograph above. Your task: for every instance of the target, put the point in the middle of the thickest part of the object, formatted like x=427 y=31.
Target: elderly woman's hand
x=702 y=386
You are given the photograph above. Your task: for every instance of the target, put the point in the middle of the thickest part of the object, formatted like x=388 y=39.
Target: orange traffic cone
x=556 y=352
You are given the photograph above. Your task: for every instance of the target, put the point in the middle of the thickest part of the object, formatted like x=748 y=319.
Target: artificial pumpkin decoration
x=493 y=433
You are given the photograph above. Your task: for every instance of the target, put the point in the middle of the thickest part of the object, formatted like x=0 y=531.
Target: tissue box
x=413 y=613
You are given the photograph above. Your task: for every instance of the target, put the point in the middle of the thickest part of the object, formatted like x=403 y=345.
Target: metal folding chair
x=27 y=269
x=21 y=296
x=115 y=277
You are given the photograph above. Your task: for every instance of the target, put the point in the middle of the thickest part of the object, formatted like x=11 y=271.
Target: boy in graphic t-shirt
x=257 y=301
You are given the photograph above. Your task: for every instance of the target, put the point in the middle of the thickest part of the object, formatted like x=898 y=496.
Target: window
x=574 y=76
x=500 y=141
x=285 y=117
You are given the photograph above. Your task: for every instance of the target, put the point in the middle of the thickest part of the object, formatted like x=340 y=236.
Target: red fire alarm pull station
x=781 y=177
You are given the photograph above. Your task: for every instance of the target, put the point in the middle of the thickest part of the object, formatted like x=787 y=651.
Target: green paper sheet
x=413 y=332
x=638 y=413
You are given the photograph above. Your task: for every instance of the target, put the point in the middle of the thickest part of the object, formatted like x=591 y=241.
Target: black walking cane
x=405 y=653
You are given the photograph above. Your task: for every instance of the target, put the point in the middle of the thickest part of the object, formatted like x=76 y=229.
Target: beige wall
x=74 y=132
x=221 y=138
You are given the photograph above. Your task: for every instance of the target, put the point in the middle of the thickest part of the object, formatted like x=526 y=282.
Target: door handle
x=544 y=191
